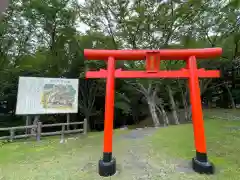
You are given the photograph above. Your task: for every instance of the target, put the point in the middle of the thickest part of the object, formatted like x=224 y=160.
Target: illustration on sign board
x=58 y=96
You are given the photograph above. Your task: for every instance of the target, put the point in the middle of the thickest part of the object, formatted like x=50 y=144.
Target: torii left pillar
x=107 y=165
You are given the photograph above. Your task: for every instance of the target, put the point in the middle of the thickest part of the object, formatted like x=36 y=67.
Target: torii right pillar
x=200 y=163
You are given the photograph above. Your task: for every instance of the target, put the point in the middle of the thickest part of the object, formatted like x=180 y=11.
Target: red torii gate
x=200 y=163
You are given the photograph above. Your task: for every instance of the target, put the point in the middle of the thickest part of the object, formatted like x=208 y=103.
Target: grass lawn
x=165 y=155
x=223 y=144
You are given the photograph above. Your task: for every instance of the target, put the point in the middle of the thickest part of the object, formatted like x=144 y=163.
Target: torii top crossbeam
x=166 y=54
x=153 y=58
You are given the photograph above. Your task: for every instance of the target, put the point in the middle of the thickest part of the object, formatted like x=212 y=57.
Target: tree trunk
x=173 y=105
x=152 y=109
x=135 y=113
x=189 y=113
x=184 y=101
x=164 y=114
x=187 y=106
x=209 y=100
x=209 y=105
x=230 y=96
x=204 y=85
x=35 y=122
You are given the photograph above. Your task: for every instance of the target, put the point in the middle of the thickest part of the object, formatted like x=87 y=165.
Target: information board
x=37 y=95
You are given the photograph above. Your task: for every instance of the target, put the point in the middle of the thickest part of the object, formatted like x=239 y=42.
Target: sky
x=4 y=4
x=81 y=26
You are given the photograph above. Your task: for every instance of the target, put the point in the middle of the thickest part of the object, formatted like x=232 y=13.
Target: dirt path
x=140 y=133
x=135 y=161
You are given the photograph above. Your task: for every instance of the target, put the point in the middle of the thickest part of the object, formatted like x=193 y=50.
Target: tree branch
x=110 y=31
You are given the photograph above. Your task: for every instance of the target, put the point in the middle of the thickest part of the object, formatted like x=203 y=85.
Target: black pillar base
x=106 y=166
x=201 y=165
